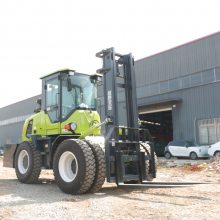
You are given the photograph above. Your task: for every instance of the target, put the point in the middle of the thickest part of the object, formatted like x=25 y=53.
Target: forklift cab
x=65 y=91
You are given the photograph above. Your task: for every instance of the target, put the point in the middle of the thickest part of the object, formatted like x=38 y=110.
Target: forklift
x=64 y=134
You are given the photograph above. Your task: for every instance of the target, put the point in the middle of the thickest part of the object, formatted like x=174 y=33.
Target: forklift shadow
x=136 y=193
x=124 y=192
x=128 y=188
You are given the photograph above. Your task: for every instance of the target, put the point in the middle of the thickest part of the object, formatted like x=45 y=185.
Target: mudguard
x=8 y=159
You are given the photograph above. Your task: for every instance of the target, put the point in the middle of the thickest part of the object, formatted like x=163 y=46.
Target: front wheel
x=146 y=148
x=193 y=156
x=74 y=166
x=27 y=163
x=217 y=154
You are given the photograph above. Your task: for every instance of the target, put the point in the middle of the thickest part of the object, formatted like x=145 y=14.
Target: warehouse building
x=178 y=95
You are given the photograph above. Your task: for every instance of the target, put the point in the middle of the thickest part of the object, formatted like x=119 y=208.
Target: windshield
x=78 y=92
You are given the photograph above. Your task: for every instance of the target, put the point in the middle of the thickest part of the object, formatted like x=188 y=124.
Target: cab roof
x=62 y=71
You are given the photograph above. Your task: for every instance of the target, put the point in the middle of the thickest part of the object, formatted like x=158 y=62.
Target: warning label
x=109 y=100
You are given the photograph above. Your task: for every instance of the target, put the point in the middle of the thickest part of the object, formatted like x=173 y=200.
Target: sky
x=38 y=37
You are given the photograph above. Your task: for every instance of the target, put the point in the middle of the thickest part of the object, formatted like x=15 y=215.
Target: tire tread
x=100 y=166
x=36 y=164
x=90 y=166
x=147 y=165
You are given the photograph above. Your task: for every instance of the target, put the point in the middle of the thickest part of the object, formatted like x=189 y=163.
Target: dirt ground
x=45 y=201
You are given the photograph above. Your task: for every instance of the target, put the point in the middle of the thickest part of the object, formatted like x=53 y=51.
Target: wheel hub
x=68 y=166
x=23 y=162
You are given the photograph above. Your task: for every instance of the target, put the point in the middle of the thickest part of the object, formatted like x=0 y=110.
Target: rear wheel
x=27 y=163
x=74 y=166
x=100 y=166
x=167 y=155
x=193 y=156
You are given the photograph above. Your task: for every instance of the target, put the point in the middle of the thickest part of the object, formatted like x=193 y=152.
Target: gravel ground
x=45 y=201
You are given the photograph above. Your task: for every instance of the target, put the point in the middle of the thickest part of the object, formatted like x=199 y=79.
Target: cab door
x=52 y=106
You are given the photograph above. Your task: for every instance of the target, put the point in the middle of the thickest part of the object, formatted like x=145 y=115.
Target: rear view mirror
x=38 y=109
x=39 y=101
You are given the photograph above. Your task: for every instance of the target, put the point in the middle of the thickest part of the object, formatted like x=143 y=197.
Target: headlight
x=73 y=126
x=70 y=126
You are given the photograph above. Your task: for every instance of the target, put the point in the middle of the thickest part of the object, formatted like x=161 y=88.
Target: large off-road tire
x=146 y=148
x=99 y=154
x=27 y=163
x=74 y=166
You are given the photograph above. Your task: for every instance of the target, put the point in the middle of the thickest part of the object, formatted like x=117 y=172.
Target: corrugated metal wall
x=11 y=133
x=24 y=107
x=190 y=58
x=197 y=102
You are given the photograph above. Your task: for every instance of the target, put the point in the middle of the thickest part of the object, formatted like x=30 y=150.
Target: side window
x=178 y=143
x=188 y=144
x=29 y=129
x=52 y=97
x=175 y=143
x=182 y=143
x=70 y=99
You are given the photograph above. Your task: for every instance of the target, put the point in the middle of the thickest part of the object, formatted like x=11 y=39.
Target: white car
x=185 y=149
x=1 y=151
x=214 y=149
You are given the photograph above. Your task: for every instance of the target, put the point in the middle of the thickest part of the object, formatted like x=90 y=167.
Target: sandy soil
x=45 y=201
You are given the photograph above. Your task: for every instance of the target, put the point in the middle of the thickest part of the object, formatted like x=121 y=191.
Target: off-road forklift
x=64 y=134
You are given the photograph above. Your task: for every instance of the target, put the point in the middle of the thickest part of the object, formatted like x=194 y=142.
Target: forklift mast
x=115 y=67
x=124 y=161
